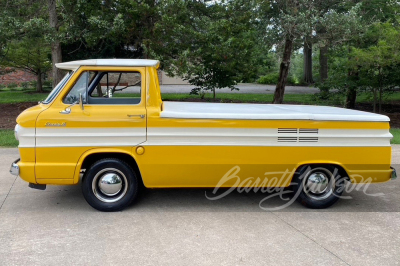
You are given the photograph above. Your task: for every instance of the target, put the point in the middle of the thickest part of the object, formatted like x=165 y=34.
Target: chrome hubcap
x=319 y=183
x=109 y=185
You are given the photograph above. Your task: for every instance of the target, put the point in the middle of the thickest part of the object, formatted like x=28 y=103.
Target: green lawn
x=20 y=96
x=396 y=135
x=7 y=138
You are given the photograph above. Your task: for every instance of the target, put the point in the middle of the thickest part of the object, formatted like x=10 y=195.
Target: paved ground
x=243 y=88
x=182 y=227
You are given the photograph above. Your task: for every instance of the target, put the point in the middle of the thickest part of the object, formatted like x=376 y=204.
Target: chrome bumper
x=394 y=174
x=14 y=169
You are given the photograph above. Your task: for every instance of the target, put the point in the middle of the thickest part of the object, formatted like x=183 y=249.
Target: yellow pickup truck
x=105 y=126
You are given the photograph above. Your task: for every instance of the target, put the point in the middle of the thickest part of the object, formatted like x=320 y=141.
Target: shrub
x=271 y=78
x=25 y=85
x=33 y=84
x=12 y=85
x=47 y=84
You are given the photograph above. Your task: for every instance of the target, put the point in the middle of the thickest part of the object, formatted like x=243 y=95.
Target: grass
x=7 y=138
x=396 y=135
x=20 y=96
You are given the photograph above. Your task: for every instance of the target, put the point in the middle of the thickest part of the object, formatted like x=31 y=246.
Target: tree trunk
x=307 y=51
x=374 y=102
x=351 y=98
x=283 y=72
x=39 y=86
x=214 y=93
x=56 y=56
x=323 y=63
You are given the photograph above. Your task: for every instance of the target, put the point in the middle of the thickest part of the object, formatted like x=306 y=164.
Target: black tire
x=312 y=190
x=110 y=185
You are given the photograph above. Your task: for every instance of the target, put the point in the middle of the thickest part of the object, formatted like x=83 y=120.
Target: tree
x=30 y=54
x=289 y=21
x=379 y=64
x=56 y=54
x=25 y=47
x=212 y=47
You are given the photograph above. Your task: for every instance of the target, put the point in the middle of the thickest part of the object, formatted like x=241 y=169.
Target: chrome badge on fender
x=48 y=124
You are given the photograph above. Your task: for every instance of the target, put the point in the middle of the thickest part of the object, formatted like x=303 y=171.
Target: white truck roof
x=73 y=65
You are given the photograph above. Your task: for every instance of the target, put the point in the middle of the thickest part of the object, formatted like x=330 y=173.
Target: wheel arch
x=342 y=171
x=93 y=155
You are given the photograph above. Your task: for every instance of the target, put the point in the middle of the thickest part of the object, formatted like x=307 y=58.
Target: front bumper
x=14 y=169
x=394 y=173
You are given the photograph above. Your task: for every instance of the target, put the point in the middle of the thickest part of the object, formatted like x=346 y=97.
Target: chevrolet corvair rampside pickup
x=105 y=125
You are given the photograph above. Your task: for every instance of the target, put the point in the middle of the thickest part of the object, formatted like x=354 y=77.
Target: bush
x=12 y=85
x=271 y=78
x=25 y=85
x=33 y=84
x=47 y=84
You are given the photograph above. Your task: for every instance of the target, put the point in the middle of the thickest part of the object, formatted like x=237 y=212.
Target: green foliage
x=26 y=47
x=25 y=85
x=271 y=78
x=219 y=46
x=373 y=66
x=12 y=85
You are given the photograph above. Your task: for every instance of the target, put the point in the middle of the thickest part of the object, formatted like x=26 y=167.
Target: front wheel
x=318 y=186
x=110 y=185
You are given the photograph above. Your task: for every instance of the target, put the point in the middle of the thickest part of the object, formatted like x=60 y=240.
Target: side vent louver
x=298 y=135
x=308 y=130
x=287 y=130
x=308 y=139
x=287 y=139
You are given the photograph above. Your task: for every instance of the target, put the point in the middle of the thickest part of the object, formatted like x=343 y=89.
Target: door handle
x=141 y=116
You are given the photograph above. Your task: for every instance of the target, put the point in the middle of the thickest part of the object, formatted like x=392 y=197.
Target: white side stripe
x=97 y=137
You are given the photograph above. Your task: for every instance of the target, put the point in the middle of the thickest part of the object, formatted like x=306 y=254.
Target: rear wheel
x=319 y=186
x=110 y=185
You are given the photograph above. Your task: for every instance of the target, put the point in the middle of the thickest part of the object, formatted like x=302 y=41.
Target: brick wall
x=17 y=76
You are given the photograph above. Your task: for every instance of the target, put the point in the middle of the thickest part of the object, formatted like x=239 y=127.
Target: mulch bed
x=9 y=112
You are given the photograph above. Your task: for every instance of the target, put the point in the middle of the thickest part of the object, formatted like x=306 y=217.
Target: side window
x=80 y=87
x=116 y=88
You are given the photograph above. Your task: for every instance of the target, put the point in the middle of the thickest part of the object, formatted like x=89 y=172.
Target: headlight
x=16 y=131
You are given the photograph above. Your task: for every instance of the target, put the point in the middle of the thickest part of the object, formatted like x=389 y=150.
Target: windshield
x=57 y=88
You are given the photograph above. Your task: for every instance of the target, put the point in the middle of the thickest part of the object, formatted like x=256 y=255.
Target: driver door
x=112 y=114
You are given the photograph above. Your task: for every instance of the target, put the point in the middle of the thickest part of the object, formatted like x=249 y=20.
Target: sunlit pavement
x=182 y=227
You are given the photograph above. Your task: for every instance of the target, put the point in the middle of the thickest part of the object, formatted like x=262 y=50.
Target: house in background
x=20 y=76
x=15 y=77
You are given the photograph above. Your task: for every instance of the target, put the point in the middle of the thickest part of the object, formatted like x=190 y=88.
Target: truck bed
x=195 y=110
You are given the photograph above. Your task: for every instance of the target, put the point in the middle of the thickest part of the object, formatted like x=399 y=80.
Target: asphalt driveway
x=182 y=227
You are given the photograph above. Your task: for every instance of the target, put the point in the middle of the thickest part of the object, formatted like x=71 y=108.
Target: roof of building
x=73 y=65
